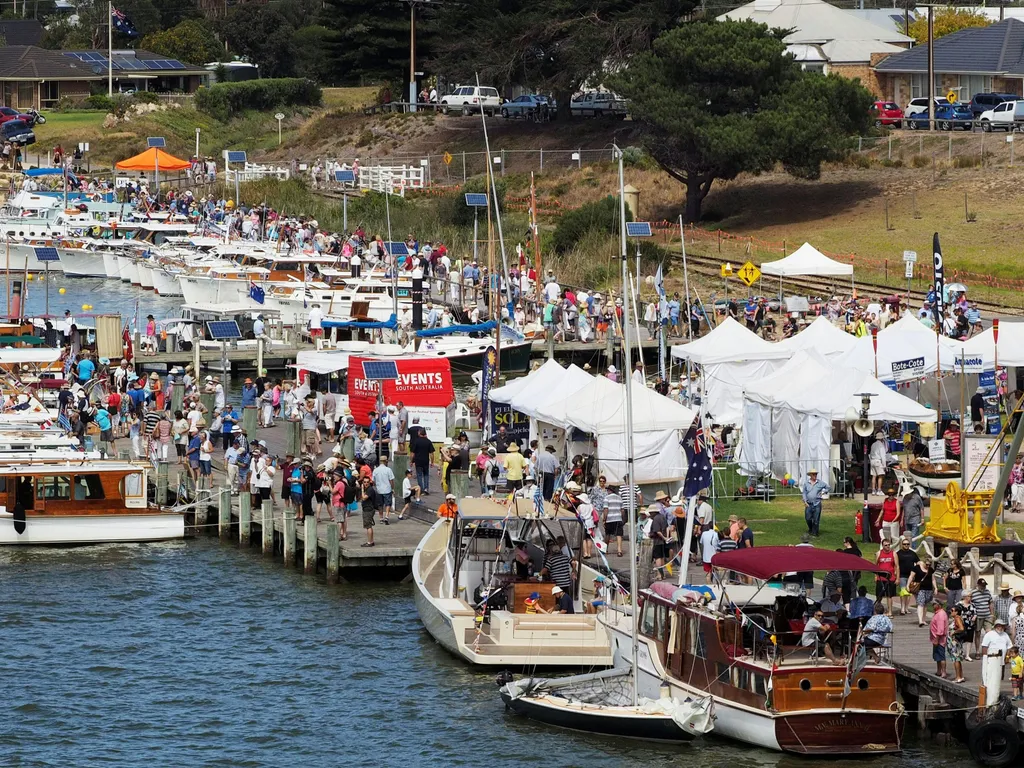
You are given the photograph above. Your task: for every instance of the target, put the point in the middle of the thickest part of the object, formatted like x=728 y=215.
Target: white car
x=1003 y=117
x=468 y=99
x=916 y=106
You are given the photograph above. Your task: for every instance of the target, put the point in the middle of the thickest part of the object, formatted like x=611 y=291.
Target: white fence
x=395 y=179
x=253 y=172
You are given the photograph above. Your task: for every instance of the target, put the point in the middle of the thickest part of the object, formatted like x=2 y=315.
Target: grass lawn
x=349 y=99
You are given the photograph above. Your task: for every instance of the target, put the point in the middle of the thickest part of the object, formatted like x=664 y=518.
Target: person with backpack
x=309 y=489
x=338 y=511
x=293 y=478
x=370 y=500
x=491 y=471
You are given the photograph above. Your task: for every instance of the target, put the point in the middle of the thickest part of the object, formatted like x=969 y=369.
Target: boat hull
x=79 y=262
x=92 y=529
x=515 y=358
x=165 y=283
x=934 y=482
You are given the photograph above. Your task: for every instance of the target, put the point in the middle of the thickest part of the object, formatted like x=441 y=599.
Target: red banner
x=423 y=383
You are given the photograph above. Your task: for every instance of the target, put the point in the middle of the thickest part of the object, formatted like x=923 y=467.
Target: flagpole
x=110 y=52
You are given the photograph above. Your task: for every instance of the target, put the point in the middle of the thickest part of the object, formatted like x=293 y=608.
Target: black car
x=17 y=132
x=983 y=102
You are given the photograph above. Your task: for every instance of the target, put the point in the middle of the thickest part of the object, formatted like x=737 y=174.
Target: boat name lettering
x=827 y=725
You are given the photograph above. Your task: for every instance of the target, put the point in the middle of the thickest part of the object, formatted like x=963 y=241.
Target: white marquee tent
x=1011 y=344
x=822 y=337
x=807 y=260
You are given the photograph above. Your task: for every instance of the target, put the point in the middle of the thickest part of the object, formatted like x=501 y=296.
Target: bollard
x=293 y=437
x=162 y=481
x=268 y=527
x=458 y=483
x=289 y=537
x=399 y=463
x=124 y=455
x=348 y=448
x=244 y=520
x=333 y=553
x=249 y=420
x=177 y=397
x=309 y=545
x=549 y=340
x=223 y=512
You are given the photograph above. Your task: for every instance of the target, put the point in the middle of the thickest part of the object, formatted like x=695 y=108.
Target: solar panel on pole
x=223 y=330
x=157 y=142
x=397 y=248
x=380 y=370
x=237 y=156
x=345 y=177
x=638 y=229
x=476 y=200
x=47 y=254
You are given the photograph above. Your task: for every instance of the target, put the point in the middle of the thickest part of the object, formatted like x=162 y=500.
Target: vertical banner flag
x=937 y=281
x=488 y=371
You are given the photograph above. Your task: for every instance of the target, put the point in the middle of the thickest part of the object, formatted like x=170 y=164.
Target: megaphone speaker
x=863 y=427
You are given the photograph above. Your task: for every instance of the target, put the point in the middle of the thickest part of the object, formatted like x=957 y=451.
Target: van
x=469 y=99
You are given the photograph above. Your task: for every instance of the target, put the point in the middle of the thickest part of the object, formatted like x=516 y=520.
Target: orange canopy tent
x=148 y=161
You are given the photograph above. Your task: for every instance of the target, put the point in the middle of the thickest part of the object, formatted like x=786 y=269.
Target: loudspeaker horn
x=863 y=427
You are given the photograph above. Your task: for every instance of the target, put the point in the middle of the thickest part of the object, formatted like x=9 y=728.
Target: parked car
x=8 y=113
x=468 y=99
x=17 y=132
x=983 y=102
x=1003 y=117
x=598 y=104
x=948 y=117
x=886 y=113
x=916 y=106
x=528 y=106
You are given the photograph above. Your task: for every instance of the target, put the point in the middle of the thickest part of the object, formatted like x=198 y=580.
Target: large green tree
x=717 y=99
x=555 y=46
x=191 y=40
x=263 y=35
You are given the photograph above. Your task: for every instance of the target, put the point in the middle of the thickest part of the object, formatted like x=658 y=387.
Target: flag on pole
x=122 y=23
x=698 y=461
x=256 y=293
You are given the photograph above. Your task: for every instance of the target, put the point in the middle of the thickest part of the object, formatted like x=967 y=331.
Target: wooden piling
x=224 y=512
x=293 y=437
x=177 y=397
x=162 y=481
x=549 y=339
x=268 y=527
x=924 y=706
x=209 y=400
x=249 y=420
x=399 y=463
x=459 y=483
x=289 y=537
x=124 y=455
x=202 y=513
x=309 y=545
x=244 y=520
x=333 y=553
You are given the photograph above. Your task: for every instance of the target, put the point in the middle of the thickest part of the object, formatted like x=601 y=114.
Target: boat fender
x=503 y=678
x=994 y=744
x=19 y=519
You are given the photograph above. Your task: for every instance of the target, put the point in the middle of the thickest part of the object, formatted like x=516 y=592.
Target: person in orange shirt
x=449 y=509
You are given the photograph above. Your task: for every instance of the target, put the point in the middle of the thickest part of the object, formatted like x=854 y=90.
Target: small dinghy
x=601 y=702
x=934 y=476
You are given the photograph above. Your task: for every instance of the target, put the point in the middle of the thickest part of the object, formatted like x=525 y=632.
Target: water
x=107 y=297
x=193 y=653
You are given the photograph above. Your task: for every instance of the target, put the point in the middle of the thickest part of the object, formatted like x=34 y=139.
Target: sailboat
x=608 y=702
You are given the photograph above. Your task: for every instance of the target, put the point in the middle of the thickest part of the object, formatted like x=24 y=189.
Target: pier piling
x=224 y=511
x=289 y=537
x=399 y=463
x=293 y=437
x=267 y=527
x=249 y=421
x=162 y=479
x=459 y=483
x=244 y=520
x=309 y=544
x=333 y=553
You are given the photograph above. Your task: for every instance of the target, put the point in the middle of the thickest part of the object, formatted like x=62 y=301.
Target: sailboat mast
x=630 y=496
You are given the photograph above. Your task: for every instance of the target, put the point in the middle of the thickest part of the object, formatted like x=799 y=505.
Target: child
x=1016 y=663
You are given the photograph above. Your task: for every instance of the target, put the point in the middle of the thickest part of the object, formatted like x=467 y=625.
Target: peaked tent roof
x=147 y=161
x=554 y=411
x=841 y=390
x=807 y=260
x=729 y=342
x=1011 y=344
x=606 y=413
x=820 y=337
x=997 y=49
x=551 y=371
x=805 y=369
x=815 y=21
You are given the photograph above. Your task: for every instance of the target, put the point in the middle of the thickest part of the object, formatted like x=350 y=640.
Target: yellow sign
x=951 y=97
x=749 y=274
x=447 y=158
x=726 y=270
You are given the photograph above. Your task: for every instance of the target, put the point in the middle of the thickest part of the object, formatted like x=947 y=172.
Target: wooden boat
x=477 y=547
x=601 y=702
x=934 y=476
x=743 y=648
x=80 y=500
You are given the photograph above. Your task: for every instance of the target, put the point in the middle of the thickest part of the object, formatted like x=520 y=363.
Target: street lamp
x=412 y=48
x=859 y=422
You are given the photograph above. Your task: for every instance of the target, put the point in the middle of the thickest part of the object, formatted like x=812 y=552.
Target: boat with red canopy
x=743 y=641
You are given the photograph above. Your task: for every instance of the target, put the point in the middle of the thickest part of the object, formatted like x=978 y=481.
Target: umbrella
x=956 y=288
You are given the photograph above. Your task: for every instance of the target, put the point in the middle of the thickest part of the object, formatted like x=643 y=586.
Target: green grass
x=349 y=99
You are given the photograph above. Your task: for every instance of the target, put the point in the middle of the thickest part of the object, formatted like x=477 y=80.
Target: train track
x=710 y=266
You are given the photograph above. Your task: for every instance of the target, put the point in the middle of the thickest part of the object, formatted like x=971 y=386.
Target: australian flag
x=255 y=292
x=122 y=23
x=698 y=459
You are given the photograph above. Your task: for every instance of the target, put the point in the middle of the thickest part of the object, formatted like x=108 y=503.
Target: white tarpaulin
x=821 y=337
x=729 y=342
x=550 y=371
x=807 y=260
x=530 y=399
x=724 y=383
x=903 y=343
x=553 y=412
x=658 y=456
x=1011 y=344
x=21 y=355
x=322 y=362
x=607 y=414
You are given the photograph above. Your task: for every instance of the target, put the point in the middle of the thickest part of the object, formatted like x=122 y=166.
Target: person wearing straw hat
x=813 y=491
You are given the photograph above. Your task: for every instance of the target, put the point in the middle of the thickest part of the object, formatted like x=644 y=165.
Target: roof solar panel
x=476 y=200
x=175 y=64
x=345 y=176
x=223 y=330
x=397 y=249
x=638 y=229
x=47 y=254
x=381 y=370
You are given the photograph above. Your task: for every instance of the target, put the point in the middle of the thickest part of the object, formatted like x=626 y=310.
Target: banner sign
x=421 y=383
x=516 y=423
x=908 y=370
x=938 y=282
x=488 y=374
x=968 y=363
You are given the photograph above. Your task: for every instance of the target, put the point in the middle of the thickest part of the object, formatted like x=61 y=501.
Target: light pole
x=859 y=422
x=412 y=50
x=279 y=117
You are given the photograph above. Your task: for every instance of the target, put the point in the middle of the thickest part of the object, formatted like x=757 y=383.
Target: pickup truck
x=597 y=104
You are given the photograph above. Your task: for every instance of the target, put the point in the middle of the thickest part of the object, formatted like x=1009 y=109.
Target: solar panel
x=344 y=176
x=236 y=156
x=380 y=370
x=156 y=141
x=47 y=254
x=638 y=229
x=223 y=330
x=175 y=64
x=397 y=249
x=476 y=200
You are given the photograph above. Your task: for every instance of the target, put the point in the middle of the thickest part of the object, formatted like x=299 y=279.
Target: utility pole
x=931 y=67
x=412 y=55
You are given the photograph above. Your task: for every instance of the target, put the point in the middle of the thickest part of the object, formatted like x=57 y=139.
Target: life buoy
x=994 y=744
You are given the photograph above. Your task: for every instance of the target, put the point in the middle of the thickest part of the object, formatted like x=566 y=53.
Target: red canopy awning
x=765 y=562
x=149 y=160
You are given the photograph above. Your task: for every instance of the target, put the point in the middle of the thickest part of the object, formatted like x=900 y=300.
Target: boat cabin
x=73 y=487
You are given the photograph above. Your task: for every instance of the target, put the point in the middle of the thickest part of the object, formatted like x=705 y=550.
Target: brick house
x=36 y=77
x=979 y=60
x=825 y=38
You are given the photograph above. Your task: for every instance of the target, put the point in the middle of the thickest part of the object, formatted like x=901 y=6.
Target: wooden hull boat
x=934 y=477
x=601 y=703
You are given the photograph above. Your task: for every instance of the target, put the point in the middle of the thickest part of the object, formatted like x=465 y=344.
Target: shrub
x=226 y=99
x=146 y=97
x=454 y=211
x=100 y=102
x=66 y=104
x=601 y=216
x=920 y=161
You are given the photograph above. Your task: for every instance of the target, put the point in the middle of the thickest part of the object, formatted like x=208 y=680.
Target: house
x=978 y=60
x=825 y=38
x=894 y=19
x=136 y=70
x=35 y=77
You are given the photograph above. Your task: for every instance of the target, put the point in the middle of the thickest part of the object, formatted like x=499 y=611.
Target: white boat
x=476 y=547
x=82 y=262
x=165 y=280
x=145 y=267
x=80 y=501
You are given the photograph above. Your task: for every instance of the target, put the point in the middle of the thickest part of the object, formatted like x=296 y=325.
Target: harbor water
x=194 y=653
x=106 y=297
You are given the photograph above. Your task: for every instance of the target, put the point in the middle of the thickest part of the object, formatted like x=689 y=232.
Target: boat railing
x=785 y=648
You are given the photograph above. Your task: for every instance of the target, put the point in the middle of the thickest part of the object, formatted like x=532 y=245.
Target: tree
x=192 y=41
x=717 y=99
x=309 y=44
x=552 y=46
x=262 y=35
x=946 y=21
x=370 y=40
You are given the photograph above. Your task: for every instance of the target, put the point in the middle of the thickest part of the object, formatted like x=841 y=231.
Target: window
x=88 y=488
x=760 y=684
x=53 y=487
x=743 y=679
x=972 y=84
x=49 y=94
x=489 y=92
x=919 y=86
x=26 y=95
x=647 y=621
x=722 y=674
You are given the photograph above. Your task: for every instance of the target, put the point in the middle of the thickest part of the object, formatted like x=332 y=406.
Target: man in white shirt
x=994 y=646
x=259 y=329
x=551 y=289
x=814 y=636
x=218 y=394
x=704 y=514
x=708 y=548
x=638 y=373
x=316 y=318
x=384 y=484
